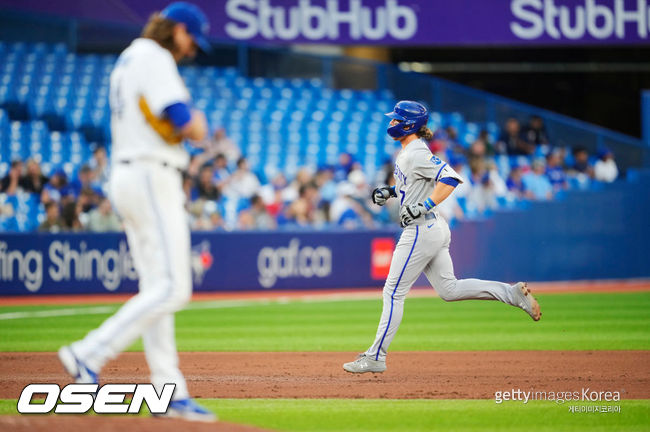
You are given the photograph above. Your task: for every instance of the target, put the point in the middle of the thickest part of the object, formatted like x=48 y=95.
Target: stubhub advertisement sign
x=392 y=22
x=101 y=263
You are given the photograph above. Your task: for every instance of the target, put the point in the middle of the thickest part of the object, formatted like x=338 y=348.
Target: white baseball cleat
x=188 y=409
x=365 y=363
x=526 y=301
x=81 y=373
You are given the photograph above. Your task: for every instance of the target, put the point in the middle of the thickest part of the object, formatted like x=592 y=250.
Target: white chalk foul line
x=212 y=304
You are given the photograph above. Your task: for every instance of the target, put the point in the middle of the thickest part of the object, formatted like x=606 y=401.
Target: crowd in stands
x=223 y=193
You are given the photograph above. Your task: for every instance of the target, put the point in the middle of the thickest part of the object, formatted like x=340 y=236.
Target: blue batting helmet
x=411 y=116
x=194 y=19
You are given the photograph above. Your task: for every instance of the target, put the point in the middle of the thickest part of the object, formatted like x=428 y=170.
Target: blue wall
x=587 y=235
x=100 y=263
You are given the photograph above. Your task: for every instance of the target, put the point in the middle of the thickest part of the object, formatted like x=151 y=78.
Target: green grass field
x=570 y=322
x=337 y=415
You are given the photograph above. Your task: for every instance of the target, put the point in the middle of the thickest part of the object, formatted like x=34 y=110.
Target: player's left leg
x=411 y=254
x=160 y=351
x=157 y=231
x=440 y=272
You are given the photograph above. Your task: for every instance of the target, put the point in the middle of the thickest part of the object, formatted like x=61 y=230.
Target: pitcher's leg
x=160 y=351
x=161 y=246
x=409 y=259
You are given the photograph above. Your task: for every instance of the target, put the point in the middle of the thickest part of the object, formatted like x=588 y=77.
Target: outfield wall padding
x=598 y=234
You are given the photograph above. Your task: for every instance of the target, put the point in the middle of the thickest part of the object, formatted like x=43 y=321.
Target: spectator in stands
x=84 y=182
x=272 y=195
x=580 y=171
x=303 y=211
x=342 y=169
x=477 y=150
x=555 y=172
x=346 y=211
x=510 y=141
x=70 y=216
x=292 y=191
x=243 y=183
x=358 y=179
x=454 y=147
x=88 y=200
x=482 y=193
x=581 y=163
x=57 y=189
x=438 y=145
x=605 y=169
x=100 y=165
x=209 y=217
x=515 y=184
x=206 y=188
x=445 y=143
x=482 y=146
x=103 y=218
x=324 y=180
x=10 y=184
x=33 y=181
x=535 y=131
x=384 y=170
x=221 y=171
x=220 y=143
x=256 y=217
x=52 y=222
x=537 y=183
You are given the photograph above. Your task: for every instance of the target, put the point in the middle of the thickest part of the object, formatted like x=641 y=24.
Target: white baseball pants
x=149 y=198
x=425 y=248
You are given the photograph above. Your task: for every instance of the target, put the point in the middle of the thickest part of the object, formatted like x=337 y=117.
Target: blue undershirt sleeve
x=179 y=114
x=449 y=181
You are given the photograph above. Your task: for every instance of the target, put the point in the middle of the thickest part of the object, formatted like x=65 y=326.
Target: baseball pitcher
x=151 y=115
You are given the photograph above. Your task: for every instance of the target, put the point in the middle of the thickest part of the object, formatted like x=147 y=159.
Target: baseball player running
x=150 y=117
x=423 y=181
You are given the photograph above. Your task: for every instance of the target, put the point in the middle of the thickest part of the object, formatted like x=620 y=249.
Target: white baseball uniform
x=146 y=189
x=424 y=247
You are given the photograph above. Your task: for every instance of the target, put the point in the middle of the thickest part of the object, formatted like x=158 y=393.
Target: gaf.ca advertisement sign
x=392 y=22
x=100 y=263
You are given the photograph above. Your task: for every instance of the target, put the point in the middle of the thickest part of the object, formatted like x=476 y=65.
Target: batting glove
x=410 y=213
x=381 y=194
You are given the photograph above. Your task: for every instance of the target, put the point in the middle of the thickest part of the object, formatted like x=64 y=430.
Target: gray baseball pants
x=425 y=248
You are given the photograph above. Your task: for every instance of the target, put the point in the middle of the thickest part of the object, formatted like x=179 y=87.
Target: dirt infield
x=49 y=423
x=410 y=375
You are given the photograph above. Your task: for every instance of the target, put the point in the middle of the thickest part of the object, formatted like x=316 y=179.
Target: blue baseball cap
x=195 y=21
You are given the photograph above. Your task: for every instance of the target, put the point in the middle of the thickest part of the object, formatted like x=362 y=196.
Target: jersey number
x=401 y=201
x=117 y=98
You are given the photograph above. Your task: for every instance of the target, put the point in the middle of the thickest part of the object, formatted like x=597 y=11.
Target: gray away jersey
x=417 y=171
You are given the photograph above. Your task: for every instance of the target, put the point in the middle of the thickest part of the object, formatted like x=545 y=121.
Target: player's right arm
x=441 y=191
x=197 y=128
x=166 y=99
x=189 y=123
